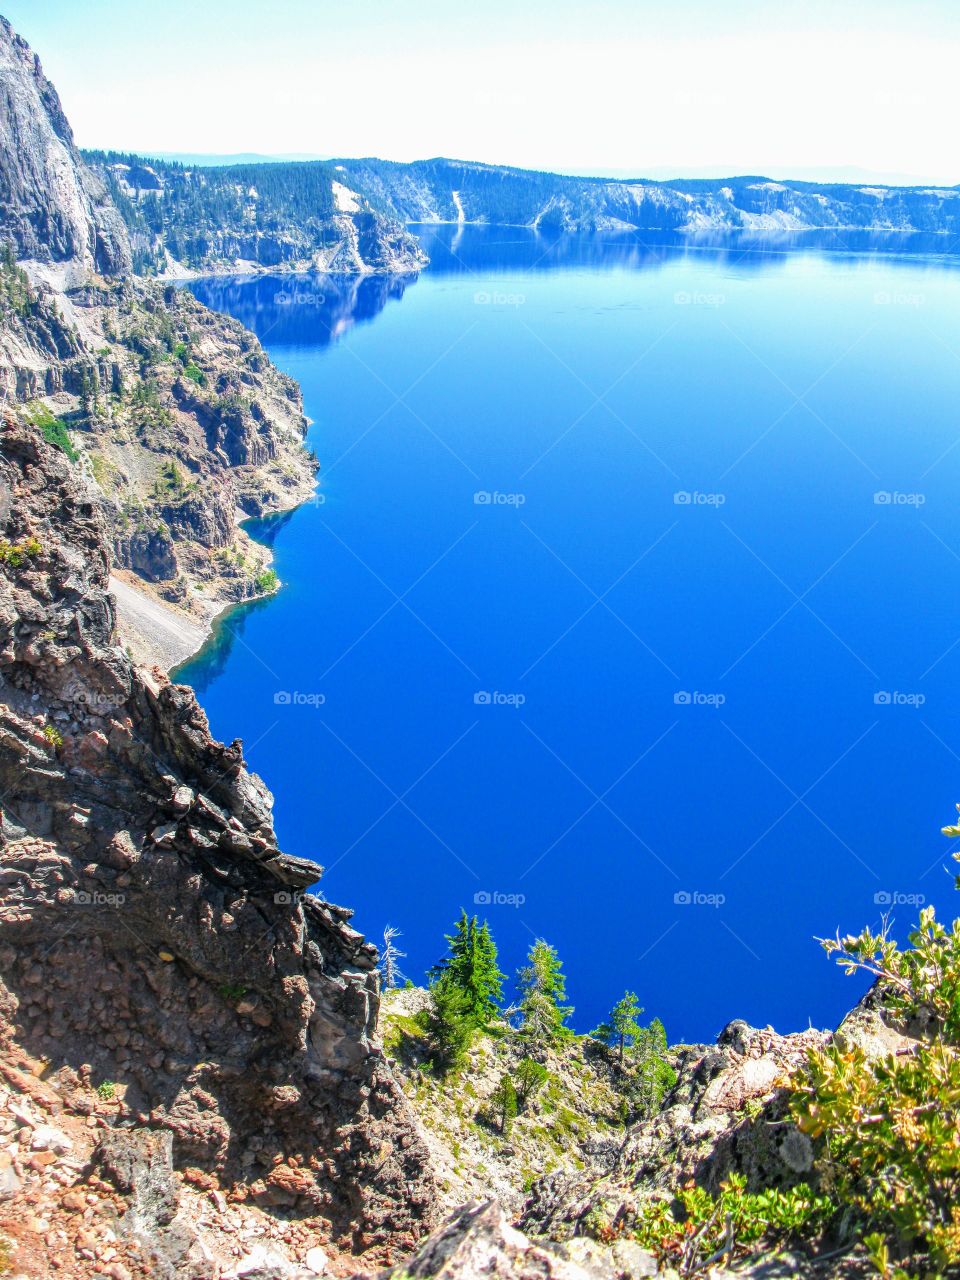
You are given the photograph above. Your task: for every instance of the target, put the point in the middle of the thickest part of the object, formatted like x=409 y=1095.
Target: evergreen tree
x=471 y=966
x=654 y=1073
x=542 y=987
x=531 y=1077
x=449 y=1024
x=621 y=1030
x=503 y=1102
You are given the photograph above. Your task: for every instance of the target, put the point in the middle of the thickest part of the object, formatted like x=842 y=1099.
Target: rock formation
x=155 y=945
x=52 y=208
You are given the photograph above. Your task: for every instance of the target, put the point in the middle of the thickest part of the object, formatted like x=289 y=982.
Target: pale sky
x=648 y=87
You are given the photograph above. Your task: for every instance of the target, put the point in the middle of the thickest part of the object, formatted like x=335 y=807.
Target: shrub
x=729 y=1225
x=267 y=581
x=53 y=736
x=891 y=1146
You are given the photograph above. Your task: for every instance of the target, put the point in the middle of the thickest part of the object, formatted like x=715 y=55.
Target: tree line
x=466 y=997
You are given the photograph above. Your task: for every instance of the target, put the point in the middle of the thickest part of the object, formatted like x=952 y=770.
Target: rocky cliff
x=190 y=1074
x=52 y=208
x=250 y=218
x=453 y=190
x=163 y=968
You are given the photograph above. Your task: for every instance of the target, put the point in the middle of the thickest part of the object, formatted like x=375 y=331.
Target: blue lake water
x=678 y=690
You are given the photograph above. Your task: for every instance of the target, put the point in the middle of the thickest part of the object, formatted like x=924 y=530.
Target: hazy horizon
x=863 y=95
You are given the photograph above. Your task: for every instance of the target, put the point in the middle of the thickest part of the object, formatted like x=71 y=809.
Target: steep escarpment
x=157 y=950
x=173 y=412
x=250 y=217
x=452 y=190
x=179 y=420
x=52 y=209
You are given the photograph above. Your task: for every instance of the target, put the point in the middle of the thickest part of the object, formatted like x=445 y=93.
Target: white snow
x=347 y=201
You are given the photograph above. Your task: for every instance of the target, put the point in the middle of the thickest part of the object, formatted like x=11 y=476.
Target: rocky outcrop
x=153 y=939
x=478 y=1240
x=52 y=208
x=726 y=1114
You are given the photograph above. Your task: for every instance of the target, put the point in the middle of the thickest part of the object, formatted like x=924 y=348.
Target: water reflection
x=310 y=310
x=455 y=250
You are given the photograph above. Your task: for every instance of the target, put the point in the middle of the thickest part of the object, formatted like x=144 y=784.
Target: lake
x=625 y=612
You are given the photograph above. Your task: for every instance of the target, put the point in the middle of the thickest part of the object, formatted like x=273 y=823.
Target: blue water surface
x=626 y=610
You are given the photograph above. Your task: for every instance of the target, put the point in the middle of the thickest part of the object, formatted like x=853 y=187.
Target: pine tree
x=654 y=1072
x=471 y=966
x=531 y=1077
x=449 y=1024
x=503 y=1102
x=621 y=1029
x=542 y=987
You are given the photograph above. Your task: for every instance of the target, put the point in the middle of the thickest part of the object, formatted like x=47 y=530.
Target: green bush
x=267 y=581
x=889 y=1124
x=701 y=1229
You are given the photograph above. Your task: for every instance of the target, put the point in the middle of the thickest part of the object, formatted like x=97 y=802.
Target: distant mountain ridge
x=442 y=190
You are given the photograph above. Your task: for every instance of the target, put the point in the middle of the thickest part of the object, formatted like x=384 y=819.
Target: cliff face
x=251 y=218
x=52 y=208
x=152 y=936
x=189 y=1067
x=451 y=190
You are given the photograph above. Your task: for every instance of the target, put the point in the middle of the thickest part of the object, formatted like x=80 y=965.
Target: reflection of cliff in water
x=211 y=660
x=300 y=310
x=462 y=249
